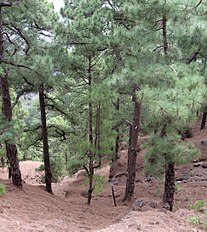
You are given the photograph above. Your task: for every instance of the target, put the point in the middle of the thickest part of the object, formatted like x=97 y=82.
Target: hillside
x=33 y=209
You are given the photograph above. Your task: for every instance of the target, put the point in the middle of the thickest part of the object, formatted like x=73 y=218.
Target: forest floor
x=32 y=209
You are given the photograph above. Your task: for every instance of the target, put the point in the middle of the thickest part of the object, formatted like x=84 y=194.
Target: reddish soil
x=33 y=209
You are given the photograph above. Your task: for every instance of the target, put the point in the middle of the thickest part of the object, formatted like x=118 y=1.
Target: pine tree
x=6 y=108
x=26 y=33
x=88 y=42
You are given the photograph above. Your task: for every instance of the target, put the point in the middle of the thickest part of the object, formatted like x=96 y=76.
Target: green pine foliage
x=94 y=54
x=170 y=149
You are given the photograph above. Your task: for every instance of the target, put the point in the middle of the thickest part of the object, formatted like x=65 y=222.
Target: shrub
x=57 y=168
x=198 y=205
x=98 y=183
x=194 y=220
x=2 y=189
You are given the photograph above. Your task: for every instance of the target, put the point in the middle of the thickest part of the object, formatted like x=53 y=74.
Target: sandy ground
x=33 y=209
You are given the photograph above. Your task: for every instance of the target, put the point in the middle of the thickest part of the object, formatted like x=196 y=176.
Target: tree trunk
x=132 y=151
x=7 y=111
x=169 y=191
x=164 y=34
x=48 y=173
x=169 y=188
x=11 y=149
x=90 y=152
x=116 y=156
x=98 y=135
x=203 y=123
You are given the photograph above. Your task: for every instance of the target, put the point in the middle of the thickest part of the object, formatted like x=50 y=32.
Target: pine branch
x=11 y=42
x=198 y=4
x=21 y=66
x=21 y=93
x=13 y=27
x=194 y=56
x=54 y=105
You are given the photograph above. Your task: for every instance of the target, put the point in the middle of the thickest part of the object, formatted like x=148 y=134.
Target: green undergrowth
x=199 y=220
x=2 y=189
x=98 y=183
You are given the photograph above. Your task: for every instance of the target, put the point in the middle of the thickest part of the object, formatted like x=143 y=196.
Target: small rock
x=6 y=204
x=153 y=204
x=203 y=142
x=137 y=205
x=197 y=164
x=148 y=179
x=204 y=165
x=183 y=178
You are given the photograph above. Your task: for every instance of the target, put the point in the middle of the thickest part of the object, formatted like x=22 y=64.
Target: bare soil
x=33 y=209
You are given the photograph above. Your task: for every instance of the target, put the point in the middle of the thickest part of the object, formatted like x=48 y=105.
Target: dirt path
x=33 y=209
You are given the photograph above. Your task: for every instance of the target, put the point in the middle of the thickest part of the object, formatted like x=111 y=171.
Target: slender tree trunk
x=2 y=159
x=116 y=156
x=132 y=151
x=90 y=152
x=169 y=192
x=98 y=135
x=164 y=33
x=203 y=123
x=169 y=189
x=48 y=173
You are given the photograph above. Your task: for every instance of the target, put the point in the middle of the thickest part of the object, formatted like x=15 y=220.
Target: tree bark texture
x=46 y=156
x=11 y=149
x=203 y=123
x=169 y=191
x=90 y=152
x=164 y=31
x=132 y=150
x=116 y=156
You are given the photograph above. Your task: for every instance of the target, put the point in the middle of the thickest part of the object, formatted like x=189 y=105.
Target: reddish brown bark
x=169 y=188
x=11 y=148
x=132 y=151
x=90 y=152
x=46 y=156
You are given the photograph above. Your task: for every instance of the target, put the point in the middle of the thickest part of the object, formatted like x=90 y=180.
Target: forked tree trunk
x=169 y=191
x=132 y=150
x=46 y=156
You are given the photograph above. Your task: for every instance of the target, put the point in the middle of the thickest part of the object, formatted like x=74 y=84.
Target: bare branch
x=21 y=66
x=194 y=56
x=21 y=93
x=13 y=27
x=198 y=4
